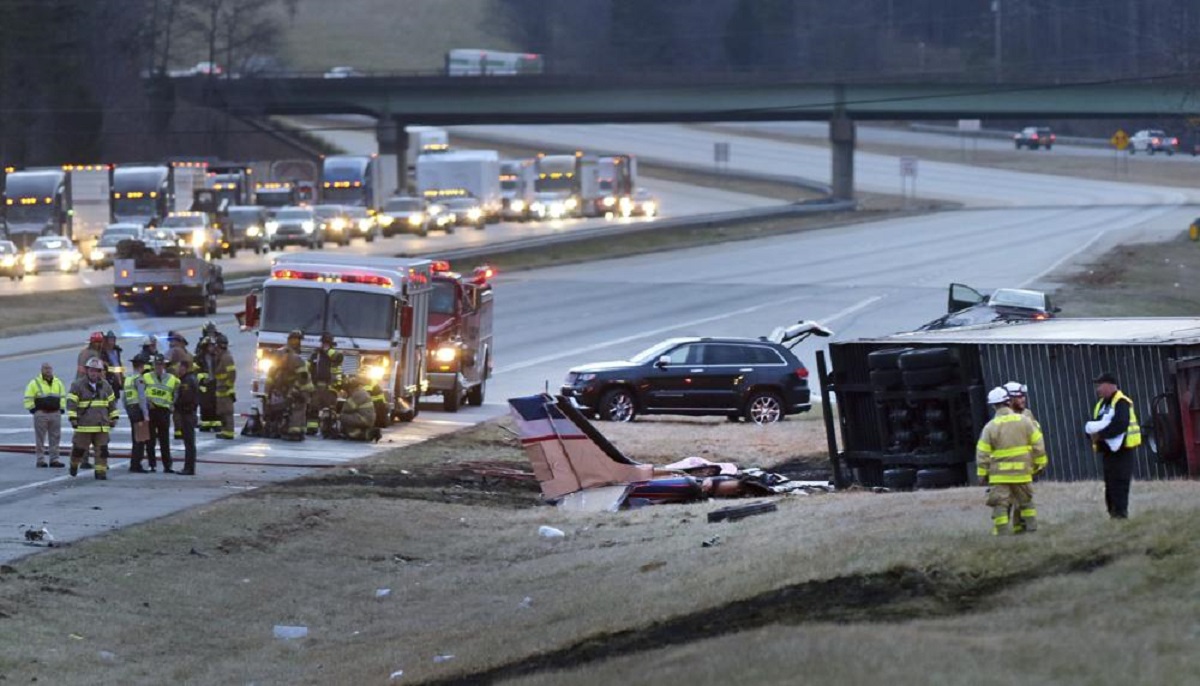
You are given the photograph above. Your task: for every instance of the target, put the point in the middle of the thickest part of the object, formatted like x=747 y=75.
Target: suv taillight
x=801 y=373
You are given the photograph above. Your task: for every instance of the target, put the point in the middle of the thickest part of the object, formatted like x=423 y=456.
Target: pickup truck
x=172 y=280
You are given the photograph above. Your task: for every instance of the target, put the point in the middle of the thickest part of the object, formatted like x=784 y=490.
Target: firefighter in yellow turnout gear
x=325 y=364
x=1009 y=452
x=225 y=376
x=357 y=418
x=293 y=381
x=1018 y=396
x=92 y=411
x=206 y=368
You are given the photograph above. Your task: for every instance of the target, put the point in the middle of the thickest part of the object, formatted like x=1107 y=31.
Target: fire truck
x=460 y=335
x=377 y=309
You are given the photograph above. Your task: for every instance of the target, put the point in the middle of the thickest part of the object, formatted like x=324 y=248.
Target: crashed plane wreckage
x=577 y=467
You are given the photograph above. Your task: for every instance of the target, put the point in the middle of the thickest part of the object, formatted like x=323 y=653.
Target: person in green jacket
x=44 y=398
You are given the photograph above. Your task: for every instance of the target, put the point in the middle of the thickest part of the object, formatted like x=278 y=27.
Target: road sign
x=970 y=125
x=1120 y=139
x=908 y=166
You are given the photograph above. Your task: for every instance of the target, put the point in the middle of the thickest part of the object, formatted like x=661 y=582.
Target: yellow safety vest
x=161 y=393
x=1133 y=435
x=38 y=388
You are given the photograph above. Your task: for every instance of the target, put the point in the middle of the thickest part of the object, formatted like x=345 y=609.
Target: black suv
x=758 y=379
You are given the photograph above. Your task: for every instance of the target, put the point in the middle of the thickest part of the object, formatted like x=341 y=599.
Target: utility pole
x=997 y=40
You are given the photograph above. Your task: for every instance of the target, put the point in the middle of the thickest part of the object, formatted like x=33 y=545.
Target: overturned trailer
x=910 y=406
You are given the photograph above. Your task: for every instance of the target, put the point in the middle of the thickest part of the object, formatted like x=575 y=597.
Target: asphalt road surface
x=860 y=280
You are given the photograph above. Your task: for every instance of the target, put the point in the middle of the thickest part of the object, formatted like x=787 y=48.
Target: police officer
x=1008 y=449
x=135 y=400
x=226 y=380
x=44 y=398
x=206 y=366
x=162 y=387
x=325 y=364
x=297 y=387
x=92 y=411
x=176 y=352
x=358 y=412
x=186 y=402
x=1115 y=433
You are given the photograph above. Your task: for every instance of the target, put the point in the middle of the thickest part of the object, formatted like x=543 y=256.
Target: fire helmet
x=96 y=337
x=997 y=395
x=94 y=363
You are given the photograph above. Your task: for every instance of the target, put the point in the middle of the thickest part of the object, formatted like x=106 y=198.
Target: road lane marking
x=659 y=331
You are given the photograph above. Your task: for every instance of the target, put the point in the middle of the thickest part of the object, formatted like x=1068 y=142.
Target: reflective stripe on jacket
x=92 y=410
x=161 y=393
x=43 y=396
x=1133 y=434
x=225 y=373
x=1010 y=449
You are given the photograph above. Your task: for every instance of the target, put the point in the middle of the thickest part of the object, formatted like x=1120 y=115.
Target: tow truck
x=165 y=282
x=377 y=309
x=460 y=335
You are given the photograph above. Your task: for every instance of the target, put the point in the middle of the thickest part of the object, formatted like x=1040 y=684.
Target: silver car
x=52 y=254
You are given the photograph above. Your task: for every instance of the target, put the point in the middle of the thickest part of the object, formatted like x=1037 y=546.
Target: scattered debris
x=525 y=603
x=107 y=656
x=383 y=592
x=711 y=542
x=40 y=536
x=76 y=637
x=197 y=553
x=736 y=512
x=599 y=499
x=550 y=532
x=651 y=566
x=290 y=632
x=443 y=658
x=396 y=674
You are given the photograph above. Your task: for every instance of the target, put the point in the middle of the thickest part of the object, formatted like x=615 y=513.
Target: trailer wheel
x=938 y=477
x=888 y=358
x=903 y=479
x=925 y=378
x=886 y=379
x=452 y=399
x=927 y=358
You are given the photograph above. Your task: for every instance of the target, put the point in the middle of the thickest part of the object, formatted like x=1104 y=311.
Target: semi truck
x=171 y=280
x=459 y=173
x=460 y=335
x=376 y=308
x=362 y=180
x=517 y=188
x=424 y=140
x=616 y=180
x=69 y=201
x=566 y=185
x=146 y=194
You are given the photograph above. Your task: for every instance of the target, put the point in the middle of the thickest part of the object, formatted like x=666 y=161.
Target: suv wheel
x=617 y=405
x=764 y=407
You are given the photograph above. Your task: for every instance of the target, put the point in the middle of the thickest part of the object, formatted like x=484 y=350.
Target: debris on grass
x=288 y=633
x=550 y=532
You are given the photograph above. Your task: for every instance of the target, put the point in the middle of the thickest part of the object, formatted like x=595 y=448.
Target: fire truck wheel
x=476 y=394
x=452 y=399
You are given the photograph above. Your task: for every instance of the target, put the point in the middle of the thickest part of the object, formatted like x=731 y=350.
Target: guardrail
x=1006 y=135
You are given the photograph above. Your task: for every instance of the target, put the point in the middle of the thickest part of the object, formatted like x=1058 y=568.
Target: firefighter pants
x=297 y=420
x=82 y=440
x=47 y=431
x=323 y=397
x=354 y=428
x=209 y=421
x=225 y=415
x=160 y=433
x=1012 y=499
x=1118 y=475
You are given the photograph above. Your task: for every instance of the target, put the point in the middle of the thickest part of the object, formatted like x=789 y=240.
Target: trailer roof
x=1124 y=330
x=396 y=264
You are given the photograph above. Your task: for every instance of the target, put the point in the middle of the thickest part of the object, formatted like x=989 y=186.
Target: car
x=160 y=241
x=441 y=216
x=333 y=224
x=294 y=226
x=550 y=205
x=1151 y=141
x=248 y=227
x=52 y=254
x=758 y=379
x=11 y=263
x=342 y=73
x=969 y=307
x=642 y=203
x=106 y=248
x=198 y=230
x=362 y=224
x=404 y=213
x=467 y=212
x=1034 y=137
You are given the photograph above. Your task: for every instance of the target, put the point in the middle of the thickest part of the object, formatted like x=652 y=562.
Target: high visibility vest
x=162 y=393
x=130 y=393
x=1133 y=435
x=42 y=395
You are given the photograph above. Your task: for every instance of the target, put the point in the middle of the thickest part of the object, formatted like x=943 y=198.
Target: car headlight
x=364 y=225
x=97 y=255
x=415 y=219
x=517 y=205
x=198 y=239
x=537 y=207
x=609 y=201
x=474 y=214
x=385 y=220
x=272 y=227
x=435 y=210
x=338 y=224
x=253 y=231
x=585 y=377
x=626 y=203
x=376 y=372
x=571 y=203
x=446 y=354
x=8 y=261
x=65 y=260
x=308 y=226
x=30 y=261
x=265 y=364
x=649 y=207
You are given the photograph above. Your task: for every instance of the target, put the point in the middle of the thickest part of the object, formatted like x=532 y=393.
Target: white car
x=52 y=254
x=1151 y=141
x=342 y=73
x=106 y=248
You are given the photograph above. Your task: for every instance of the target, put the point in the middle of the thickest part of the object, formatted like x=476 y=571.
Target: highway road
x=861 y=280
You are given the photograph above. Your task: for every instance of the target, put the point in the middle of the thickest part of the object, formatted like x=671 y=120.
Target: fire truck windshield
x=287 y=307
x=361 y=315
x=442 y=300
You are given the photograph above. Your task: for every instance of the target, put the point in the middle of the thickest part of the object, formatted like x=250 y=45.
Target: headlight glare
x=446 y=354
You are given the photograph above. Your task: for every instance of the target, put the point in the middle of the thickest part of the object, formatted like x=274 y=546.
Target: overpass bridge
x=555 y=99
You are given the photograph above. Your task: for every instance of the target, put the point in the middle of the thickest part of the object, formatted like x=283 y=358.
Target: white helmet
x=1015 y=388
x=148 y=340
x=997 y=396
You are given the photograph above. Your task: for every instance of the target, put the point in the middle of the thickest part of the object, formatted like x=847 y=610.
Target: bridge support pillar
x=841 y=139
x=393 y=144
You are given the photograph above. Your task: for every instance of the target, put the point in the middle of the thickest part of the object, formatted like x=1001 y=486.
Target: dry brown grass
x=914 y=585
x=1146 y=279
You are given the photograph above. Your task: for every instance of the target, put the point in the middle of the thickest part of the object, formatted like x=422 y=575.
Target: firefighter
x=325 y=364
x=44 y=397
x=357 y=418
x=1009 y=450
x=1115 y=433
x=186 y=402
x=94 y=346
x=135 y=400
x=149 y=347
x=92 y=411
x=379 y=401
x=209 y=331
x=162 y=387
x=110 y=353
x=226 y=380
x=296 y=386
x=177 y=351
x=1018 y=396
x=206 y=369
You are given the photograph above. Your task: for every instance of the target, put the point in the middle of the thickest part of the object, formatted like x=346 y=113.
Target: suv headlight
x=571 y=203
x=517 y=205
x=198 y=239
x=364 y=225
x=386 y=220
x=338 y=224
x=272 y=227
x=586 y=377
x=308 y=226
x=30 y=261
x=253 y=231
x=416 y=219
x=8 y=261
x=474 y=214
